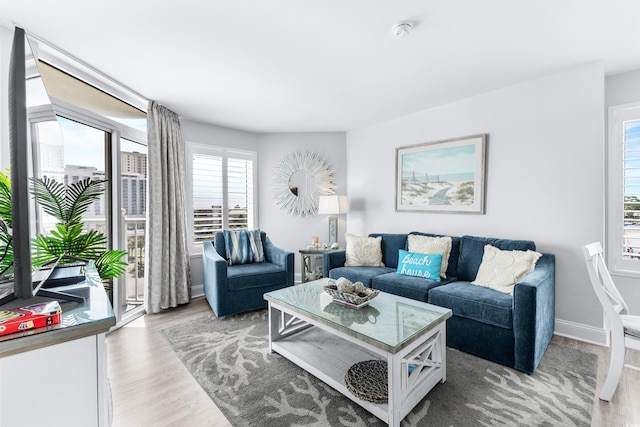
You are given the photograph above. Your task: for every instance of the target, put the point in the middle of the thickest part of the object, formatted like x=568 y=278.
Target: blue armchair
x=232 y=289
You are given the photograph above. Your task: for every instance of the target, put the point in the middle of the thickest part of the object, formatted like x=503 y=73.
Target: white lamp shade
x=333 y=205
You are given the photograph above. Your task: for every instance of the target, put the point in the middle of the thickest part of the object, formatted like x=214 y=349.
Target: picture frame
x=443 y=176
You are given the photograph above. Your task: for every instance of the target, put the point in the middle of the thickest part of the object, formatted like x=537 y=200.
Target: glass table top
x=389 y=322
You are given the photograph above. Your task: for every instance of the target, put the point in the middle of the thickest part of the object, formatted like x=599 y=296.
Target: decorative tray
x=348 y=304
x=352 y=294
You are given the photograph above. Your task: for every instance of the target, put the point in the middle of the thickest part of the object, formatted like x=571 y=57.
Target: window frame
x=192 y=148
x=617 y=116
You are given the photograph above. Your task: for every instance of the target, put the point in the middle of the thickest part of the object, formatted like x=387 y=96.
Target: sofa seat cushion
x=359 y=274
x=246 y=276
x=407 y=286
x=474 y=302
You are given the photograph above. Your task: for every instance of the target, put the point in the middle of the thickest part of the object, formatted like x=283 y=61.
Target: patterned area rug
x=230 y=359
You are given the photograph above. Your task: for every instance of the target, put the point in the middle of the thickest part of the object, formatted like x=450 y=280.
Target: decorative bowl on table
x=343 y=290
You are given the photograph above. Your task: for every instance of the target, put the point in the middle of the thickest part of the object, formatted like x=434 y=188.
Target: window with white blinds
x=624 y=190
x=222 y=189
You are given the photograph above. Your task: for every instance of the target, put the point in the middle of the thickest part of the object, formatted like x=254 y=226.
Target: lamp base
x=333 y=229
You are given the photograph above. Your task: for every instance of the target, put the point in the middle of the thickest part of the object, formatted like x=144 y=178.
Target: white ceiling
x=328 y=65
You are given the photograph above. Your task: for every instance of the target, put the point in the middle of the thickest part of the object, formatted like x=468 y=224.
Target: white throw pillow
x=432 y=245
x=501 y=270
x=363 y=251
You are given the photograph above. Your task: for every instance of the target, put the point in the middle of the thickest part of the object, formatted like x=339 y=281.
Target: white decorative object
x=402 y=29
x=432 y=245
x=363 y=251
x=501 y=270
x=299 y=179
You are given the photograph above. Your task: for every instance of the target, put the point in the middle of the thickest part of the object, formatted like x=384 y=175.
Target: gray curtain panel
x=168 y=275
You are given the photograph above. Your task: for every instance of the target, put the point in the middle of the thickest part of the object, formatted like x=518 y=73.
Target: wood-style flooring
x=151 y=387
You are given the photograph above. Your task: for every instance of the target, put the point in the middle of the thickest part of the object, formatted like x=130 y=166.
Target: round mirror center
x=302 y=183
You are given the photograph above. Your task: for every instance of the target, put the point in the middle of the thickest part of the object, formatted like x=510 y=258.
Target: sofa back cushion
x=452 y=267
x=472 y=250
x=391 y=243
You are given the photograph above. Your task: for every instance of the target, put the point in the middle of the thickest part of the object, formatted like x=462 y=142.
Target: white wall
x=288 y=231
x=622 y=88
x=625 y=89
x=545 y=169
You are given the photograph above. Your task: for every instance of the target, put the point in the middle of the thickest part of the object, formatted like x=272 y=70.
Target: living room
x=547 y=176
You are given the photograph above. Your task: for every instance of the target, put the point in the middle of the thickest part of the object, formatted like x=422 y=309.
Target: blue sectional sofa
x=513 y=330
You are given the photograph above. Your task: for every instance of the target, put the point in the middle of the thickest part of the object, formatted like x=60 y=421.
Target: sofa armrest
x=214 y=269
x=534 y=313
x=279 y=257
x=333 y=259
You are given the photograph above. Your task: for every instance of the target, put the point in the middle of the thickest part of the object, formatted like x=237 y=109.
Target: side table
x=306 y=266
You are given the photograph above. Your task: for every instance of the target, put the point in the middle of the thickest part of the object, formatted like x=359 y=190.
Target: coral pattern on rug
x=230 y=359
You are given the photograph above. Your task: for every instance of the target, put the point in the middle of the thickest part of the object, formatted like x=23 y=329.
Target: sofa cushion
x=412 y=287
x=359 y=274
x=472 y=251
x=474 y=302
x=391 y=243
x=363 y=251
x=423 y=265
x=501 y=270
x=245 y=276
x=431 y=245
x=452 y=267
x=243 y=246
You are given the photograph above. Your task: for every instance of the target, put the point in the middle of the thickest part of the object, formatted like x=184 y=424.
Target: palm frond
x=5 y=199
x=81 y=195
x=50 y=195
x=110 y=265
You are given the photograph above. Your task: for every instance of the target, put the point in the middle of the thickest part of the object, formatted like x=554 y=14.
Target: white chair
x=624 y=328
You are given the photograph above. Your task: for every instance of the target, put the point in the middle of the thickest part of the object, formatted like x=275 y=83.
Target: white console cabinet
x=57 y=375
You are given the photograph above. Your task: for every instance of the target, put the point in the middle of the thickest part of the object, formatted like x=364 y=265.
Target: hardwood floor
x=151 y=387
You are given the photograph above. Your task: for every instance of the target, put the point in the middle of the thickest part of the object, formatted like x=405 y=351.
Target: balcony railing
x=134 y=229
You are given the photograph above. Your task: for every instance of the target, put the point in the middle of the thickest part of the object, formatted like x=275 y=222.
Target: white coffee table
x=326 y=339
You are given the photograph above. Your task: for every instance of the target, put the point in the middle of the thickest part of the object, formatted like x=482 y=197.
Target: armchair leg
x=618 y=354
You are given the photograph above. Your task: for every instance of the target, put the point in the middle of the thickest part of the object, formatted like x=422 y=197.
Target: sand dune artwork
x=443 y=176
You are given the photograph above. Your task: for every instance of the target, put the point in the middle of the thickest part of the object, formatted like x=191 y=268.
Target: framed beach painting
x=442 y=176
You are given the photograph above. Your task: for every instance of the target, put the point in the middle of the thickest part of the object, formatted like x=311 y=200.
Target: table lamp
x=333 y=205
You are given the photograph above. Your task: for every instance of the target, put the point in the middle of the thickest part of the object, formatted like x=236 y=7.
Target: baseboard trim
x=580 y=332
x=197 y=291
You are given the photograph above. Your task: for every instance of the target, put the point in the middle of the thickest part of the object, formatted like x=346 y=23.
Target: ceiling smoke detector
x=403 y=29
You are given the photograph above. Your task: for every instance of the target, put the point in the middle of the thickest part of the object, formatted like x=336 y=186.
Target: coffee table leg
x=394 y=390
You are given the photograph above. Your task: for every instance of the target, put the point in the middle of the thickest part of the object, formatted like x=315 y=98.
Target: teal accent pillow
x=420 y=265
x=243 y=246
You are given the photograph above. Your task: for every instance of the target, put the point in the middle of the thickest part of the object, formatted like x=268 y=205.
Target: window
x=624 y=188
x=223 y=191
x=84 y=125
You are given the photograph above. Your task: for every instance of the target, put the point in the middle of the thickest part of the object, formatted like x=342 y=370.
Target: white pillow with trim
x=432 y=245
x=363 y=251
x=501 y=270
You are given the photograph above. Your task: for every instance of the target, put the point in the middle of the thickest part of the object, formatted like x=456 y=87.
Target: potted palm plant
x=67 y=204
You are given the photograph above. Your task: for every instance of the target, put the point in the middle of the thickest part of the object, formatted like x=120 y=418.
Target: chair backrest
x=603 y=285
x=218 y=242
